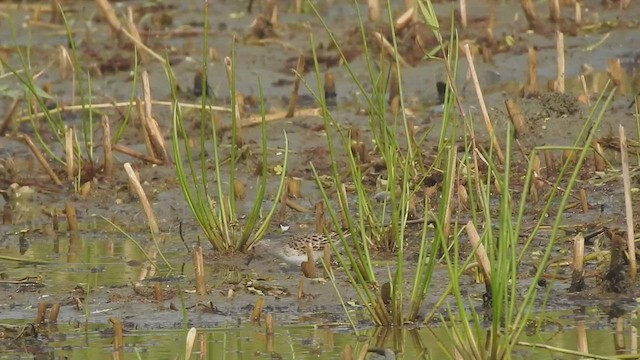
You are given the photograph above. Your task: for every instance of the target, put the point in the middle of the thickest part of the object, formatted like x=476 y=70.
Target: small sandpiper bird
x=294 y=251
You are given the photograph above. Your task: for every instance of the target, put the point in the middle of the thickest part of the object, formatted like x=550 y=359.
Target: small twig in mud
x=135 y=183
x=41 y=159
x=404 y=20
x=296 y=86
x=387 y=48
x=35 y=116
x=138 y=155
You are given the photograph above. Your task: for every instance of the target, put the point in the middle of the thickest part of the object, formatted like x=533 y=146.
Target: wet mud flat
x=96 y=267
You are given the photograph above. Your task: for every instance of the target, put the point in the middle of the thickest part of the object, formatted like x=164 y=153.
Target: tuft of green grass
x=214 y=205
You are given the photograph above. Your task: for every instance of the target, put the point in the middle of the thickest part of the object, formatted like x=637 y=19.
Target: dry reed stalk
x=374 y=10
x=158 y=294
x=294 y=187
x=578 y=13
x=309 y=267
x=577 y=275
x=329 y=88
x=581 y=337
x=598 y=157
x=549 y=163
x=110 y=16
x=40 y=157
x=463 y=14
x=268 y=325
x=619 y=342
x=483 y=106
x=155 y=135
x=347 y=352
x=257 y=309
x=64 y=63
x=529 y=13
x=228 y=66
x=117 y=333
x=560 y=61
x=283 y=205
x=293 y=100
x=554 y=11
x=481 y=253
x=395 y=106
x=41 y=314
x=616 y=74
x=297 y=6
x=55 y=311
x=446 y=227
x=387 y=48
x=68 y=152
x=404 y=20
x=394 y=86
x=585 y=91
x=300 y=288
x=532 y=69
x=238 y=189
x=626 y=181
x=583 y=201
x=143 y=129
x=138 y=155
x=72 y=218
x=189 y=341
x=85 y=189
x=106 y=145
x=319 y=217
x=296 y=206
x=5 y=123
x=271 y=10
x=133 y=30
x=569 y=156
x=326 y=261
x=517 y=119
x=198 y=263
x=142 y=197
